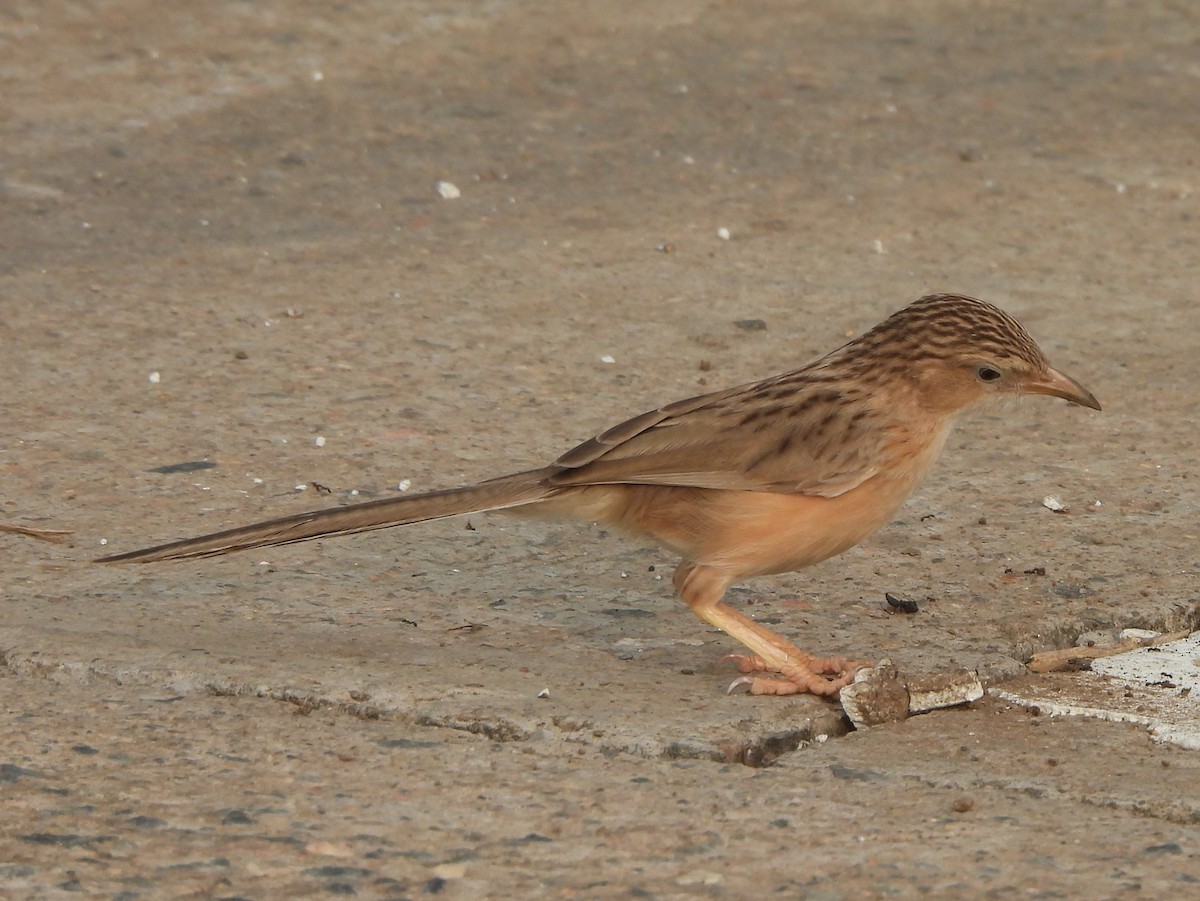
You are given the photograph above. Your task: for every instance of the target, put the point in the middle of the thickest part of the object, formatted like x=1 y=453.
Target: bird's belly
x=758 y=533
x=783 y=533
x=749 y=533
x=775 y=533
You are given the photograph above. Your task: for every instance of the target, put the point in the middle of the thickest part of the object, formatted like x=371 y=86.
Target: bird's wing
x=796 y=437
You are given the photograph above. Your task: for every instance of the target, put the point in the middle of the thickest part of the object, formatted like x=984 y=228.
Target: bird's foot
x=823 y=676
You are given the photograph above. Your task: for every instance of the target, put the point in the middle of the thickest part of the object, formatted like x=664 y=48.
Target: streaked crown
x=944 y=326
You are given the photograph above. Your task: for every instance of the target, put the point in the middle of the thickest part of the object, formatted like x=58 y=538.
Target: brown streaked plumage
x=763 y=478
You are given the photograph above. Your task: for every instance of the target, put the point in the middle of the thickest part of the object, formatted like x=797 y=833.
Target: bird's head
x=960 y=352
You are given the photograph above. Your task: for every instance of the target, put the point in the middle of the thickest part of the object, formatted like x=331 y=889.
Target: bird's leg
x=703 y=587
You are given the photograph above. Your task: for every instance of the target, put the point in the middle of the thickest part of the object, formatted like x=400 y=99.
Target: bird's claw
x=822 y=676
x=739 y=682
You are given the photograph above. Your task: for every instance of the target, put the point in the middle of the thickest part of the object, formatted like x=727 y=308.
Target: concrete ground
x=224 y=241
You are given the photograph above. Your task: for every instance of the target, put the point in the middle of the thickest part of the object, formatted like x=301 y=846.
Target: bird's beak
x=1057 y=384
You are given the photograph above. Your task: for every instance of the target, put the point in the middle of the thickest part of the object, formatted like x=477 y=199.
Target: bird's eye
x=987 y=373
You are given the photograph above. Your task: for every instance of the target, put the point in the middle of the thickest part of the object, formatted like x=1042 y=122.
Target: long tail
x=498 y=494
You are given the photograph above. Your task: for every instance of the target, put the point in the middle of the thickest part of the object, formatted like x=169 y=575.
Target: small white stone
x=155 y=378
x=301 y=487
x=723 y=233
x=329 y=849
x=319 y=441
x=450 y=870
x=700 y=877
x=1053 y=502
x=404 y=484
x=1138 y=634
x=544 y=693
x=448 y=190
x=606 y=358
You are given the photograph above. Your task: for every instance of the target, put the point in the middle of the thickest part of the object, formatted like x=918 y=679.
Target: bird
x=762 y=478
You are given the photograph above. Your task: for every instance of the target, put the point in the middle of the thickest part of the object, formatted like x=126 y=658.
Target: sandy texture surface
x=222 y=239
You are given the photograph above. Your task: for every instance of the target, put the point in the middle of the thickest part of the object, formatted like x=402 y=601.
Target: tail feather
x=498 y=494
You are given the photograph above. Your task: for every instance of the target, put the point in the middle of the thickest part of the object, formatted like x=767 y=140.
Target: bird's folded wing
x=728 y=440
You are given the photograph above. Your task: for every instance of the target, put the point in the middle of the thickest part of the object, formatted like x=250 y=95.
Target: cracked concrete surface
x=241 y=200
